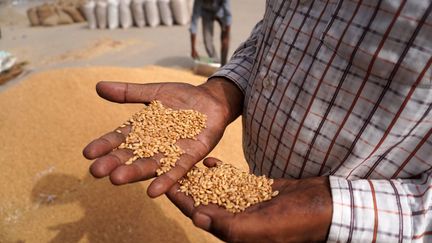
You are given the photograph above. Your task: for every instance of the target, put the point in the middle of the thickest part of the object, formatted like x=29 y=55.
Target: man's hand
x=302 y=212
x=219 y=99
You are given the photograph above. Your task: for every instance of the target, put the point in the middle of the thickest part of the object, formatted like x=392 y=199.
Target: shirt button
x=268 y=83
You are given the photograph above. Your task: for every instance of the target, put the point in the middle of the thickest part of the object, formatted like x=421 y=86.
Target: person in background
x=336 y=101
x=211 y=11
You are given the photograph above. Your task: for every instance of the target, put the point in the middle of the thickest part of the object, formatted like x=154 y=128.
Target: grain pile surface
x=156 y=129
x=226 y=186
x=46 y=192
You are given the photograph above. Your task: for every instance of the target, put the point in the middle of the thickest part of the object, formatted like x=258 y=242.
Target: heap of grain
x=156 y=129
x=227 y=187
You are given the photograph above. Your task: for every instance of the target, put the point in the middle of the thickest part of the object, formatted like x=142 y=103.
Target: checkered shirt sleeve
x=240 y=66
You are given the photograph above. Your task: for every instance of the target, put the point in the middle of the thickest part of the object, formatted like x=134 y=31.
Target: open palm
x=109 y=161
x=301 y=212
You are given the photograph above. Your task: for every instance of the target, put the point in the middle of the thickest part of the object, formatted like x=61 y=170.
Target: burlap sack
x=59 y=17
x=165 y=12
x=125 y=14
x=113 y=14
x=101 y=14
x=33 y=17
x=180 y=11
x=88 y=9
x=190 y=6
x=74 y=13
x=63 y=18
x=137 y=7
x=52 y=20
x=151 y=13
x=45 y=11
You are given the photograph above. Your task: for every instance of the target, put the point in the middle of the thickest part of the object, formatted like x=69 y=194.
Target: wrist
x=228 y=95
x=323 y=209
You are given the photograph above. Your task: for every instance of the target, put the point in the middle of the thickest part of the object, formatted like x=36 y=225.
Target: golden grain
x=156 y=129
x=227 y=187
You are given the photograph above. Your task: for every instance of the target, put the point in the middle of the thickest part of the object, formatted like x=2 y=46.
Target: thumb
x=127 y=92
x=211 y=162
x=215 y=220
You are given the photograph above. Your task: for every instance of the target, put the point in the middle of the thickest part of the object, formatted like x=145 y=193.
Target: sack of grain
x=74 y=13
x=165 y=12
x=45 y=11
x=180 y=11
x=113 y=14
x=138 y=13
x=151 y=13
x=190 y=6
x=125 y=14
x=101 y=14
x=33 y=17
x=88 y=9
x=63 y=18
x=50 y=21
x=58 y=17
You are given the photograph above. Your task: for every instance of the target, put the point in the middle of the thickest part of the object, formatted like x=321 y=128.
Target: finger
x=127 y=92
x=106 y=164
x=194 y=152
x=183 y=202
x=211 y=218
x=106 y=143
x=164 y=182
x=211 y=162
x=217 y=221
x=142 y=169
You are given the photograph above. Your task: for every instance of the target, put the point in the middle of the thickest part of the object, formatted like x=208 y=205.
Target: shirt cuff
x=369 y=211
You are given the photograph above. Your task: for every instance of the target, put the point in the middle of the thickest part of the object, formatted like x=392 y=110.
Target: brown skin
x=300 y=213
x=219 y=99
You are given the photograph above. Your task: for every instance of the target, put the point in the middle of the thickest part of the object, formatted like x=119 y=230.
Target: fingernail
x=202 y=221
x=155 y=189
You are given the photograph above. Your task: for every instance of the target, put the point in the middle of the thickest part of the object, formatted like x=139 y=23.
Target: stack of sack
x=61 y=12
x=114 y=14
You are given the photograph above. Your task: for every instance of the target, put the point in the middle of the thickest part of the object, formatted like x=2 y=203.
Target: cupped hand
x=301 y=212
x=208 y=99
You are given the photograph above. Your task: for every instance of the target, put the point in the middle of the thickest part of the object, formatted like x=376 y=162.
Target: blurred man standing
x=211 y=11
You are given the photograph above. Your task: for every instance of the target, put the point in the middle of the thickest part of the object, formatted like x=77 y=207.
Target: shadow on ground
x=111 y=213
x=177 y=61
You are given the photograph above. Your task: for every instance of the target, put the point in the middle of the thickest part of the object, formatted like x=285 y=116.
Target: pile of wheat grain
x=226 y=186
x=156 y=129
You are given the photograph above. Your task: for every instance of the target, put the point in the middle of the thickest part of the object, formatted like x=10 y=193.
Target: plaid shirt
x=343 y=89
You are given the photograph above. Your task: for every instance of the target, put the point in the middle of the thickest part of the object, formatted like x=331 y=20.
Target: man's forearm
x=228 y=94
